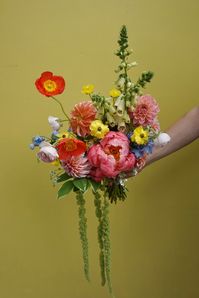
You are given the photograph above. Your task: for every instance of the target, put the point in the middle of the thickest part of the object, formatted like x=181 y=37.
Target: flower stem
x=61 y=107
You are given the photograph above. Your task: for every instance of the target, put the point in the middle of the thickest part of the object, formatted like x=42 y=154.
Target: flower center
x=70 y=145
x=115 y=151
x=142 y=135
x=50 y=85
x=99 y=128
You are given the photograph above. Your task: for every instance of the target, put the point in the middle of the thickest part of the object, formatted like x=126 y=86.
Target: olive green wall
x=155 y=232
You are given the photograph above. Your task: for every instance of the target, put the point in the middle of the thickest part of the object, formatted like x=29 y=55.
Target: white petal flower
x=162 y=139
x=121 y=82
x=54 y=123
x=47 y=154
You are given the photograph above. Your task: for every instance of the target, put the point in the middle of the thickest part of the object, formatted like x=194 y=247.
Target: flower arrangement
x=106 y=140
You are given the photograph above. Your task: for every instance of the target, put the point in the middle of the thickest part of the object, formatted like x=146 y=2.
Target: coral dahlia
x=82 y=115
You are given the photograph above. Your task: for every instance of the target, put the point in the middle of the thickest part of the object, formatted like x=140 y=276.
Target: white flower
x=126 y=117
x=118 y=100
x=121 y=107
x=121 y=126
x=110 y=120
x=162 y=139
x=54 y=122
x=121 y=82
x=47 y=154
x=130 y=65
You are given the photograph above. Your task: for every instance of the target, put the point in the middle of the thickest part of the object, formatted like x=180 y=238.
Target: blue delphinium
x=140 y=150
x=36 y=141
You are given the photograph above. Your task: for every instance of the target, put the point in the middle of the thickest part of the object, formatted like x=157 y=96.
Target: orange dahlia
x=50 y=85
x=82 y=115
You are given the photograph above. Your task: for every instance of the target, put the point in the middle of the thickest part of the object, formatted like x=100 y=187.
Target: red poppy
x=69 y=147
x=50 y=85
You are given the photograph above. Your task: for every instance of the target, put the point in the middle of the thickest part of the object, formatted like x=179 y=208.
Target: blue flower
x=140 y=150
x=37 y=140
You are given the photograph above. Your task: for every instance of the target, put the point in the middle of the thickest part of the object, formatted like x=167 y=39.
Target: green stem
x=83 y=231
x=61 y=107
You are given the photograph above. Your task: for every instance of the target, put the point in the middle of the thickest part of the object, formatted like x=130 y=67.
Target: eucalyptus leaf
x=65 y=189
x=82 y=184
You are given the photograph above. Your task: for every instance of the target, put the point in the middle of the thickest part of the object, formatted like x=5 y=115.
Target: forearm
x=182 y=133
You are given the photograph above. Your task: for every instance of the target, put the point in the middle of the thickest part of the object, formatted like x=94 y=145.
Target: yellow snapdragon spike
x=87 y=89
x=114 y=93
x=98 y=129
x=140 y=136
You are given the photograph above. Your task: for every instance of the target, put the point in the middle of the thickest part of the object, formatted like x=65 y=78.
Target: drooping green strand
x=98 y=212
x=107 y=245
x=83 y=231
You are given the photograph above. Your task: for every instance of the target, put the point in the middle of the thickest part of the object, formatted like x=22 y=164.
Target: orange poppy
x=50 y=85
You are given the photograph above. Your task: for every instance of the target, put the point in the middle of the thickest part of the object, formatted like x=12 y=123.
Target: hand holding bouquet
x=106 y=139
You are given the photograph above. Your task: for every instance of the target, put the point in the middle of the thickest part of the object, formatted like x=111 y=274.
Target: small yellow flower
x=55 y=163
x=98 y=129
x=63 y=135
x=87 y=89
x=140 y=136
x=114 y=93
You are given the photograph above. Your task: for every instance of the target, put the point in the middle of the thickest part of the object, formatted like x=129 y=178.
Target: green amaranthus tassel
x=83 y=231
x=107 y=245
x=98 y=212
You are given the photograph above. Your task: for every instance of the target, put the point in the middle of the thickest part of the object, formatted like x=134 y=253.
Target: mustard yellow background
x=154 y=234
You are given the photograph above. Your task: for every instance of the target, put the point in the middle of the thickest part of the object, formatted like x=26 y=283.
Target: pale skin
x=183 y=132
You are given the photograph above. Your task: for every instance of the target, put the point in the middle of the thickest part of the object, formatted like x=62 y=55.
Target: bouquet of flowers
x=106 y=140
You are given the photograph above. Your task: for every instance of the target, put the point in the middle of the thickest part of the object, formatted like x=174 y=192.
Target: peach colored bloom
x=145 y=111
x=111 y=156
x=82 y=115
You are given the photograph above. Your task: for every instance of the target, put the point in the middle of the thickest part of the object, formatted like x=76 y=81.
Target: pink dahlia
x=145 y=111
x=77 y=166
x=82 y=115
x=111 y=156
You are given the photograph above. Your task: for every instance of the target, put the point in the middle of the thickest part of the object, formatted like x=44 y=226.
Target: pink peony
x=77 y=166
x=111 y=156
x=82 y=115
x=145 y=111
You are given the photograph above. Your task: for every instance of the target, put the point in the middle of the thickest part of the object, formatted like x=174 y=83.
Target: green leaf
x=95 y=185
x=65 y=189
x=63 y=177
x=82 y=184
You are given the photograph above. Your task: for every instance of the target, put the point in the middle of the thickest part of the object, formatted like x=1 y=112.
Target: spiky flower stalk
x=98 y=212
x=107 y=245
x=83 y=231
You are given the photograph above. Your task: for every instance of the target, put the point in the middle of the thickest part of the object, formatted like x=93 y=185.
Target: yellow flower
x=55 y=163
x=114 y=93
x=88 y=89
x=98 y=129
x=140 y=136
x=63 y=135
